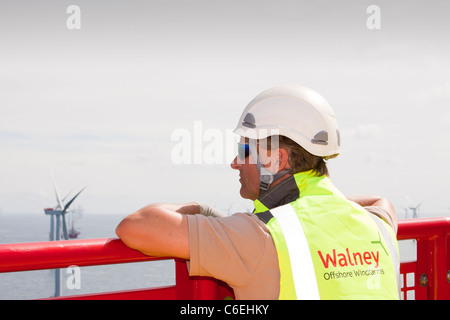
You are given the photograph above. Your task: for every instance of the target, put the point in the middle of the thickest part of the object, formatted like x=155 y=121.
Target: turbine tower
x=60 y=229
x=415 y=210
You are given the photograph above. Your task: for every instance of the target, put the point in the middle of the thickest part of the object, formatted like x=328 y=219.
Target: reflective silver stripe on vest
x=300 y=257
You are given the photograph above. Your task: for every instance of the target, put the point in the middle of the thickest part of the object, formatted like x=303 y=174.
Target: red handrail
x=82 y=253
x=61 y=254
x=431 y=270
x=424 y=228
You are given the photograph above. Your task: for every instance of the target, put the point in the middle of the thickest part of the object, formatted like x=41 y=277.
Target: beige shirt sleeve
x=384 y=215
x=238 y=250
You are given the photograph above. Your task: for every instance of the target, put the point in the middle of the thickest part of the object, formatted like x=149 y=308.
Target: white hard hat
x=296 y=112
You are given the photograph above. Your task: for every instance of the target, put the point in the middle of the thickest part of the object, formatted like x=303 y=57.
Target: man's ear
x=283 y=159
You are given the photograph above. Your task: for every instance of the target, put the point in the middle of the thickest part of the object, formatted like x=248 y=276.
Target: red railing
x=430 y=272
x=82 y=253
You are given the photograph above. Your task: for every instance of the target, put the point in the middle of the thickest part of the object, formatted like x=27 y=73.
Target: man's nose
x=235 y=164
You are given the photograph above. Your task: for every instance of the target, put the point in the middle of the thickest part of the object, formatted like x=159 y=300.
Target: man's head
x=272 y=159
x=285 y=155
x=285 y=130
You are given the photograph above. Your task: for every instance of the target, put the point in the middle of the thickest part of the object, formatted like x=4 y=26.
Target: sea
x=22 y=228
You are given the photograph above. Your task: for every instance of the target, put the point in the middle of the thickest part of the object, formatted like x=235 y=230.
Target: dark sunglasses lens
x=243 y=151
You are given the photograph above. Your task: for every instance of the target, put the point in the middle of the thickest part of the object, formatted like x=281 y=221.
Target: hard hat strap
x=266 y=178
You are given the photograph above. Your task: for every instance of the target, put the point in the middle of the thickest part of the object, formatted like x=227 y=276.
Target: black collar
x=284 y=192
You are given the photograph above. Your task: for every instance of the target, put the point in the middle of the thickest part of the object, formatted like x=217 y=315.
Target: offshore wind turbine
x=59 y=214
x=414 y=209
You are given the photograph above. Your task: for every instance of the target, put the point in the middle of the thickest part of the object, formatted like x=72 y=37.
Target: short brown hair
x=299 y=159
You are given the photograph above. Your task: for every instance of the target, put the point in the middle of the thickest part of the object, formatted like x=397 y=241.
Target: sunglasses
x=243 y=151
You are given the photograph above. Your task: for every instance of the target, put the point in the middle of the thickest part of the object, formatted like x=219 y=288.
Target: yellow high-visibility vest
x=329 y=247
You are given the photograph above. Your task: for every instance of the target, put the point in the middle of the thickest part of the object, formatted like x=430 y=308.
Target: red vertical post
x=205 y=288
x=422 y=269
x=199 y=288
x=439 y=267
x=447 y=238
x=184 y=286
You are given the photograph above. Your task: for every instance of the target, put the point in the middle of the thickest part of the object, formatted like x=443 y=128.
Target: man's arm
x=158 y=230
x=376 y=201
x=379 y=206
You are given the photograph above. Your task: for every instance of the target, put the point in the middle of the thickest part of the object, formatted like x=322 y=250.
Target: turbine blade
x=409 y=200
x=65 y=198
x=70 y=202
x=58 y=198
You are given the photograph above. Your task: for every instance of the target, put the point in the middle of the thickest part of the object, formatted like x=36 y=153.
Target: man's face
x=248 y=174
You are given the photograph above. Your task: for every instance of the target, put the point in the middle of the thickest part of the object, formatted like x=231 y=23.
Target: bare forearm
x=365 y=200
x=195 y=208
x=370 y=200
x=161 y=229
x=185 y=208
x=158 y=230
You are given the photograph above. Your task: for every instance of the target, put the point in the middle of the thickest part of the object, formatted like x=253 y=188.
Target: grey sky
x=98 y=105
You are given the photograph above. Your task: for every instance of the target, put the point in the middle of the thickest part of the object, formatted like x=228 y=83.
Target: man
x=304 y=240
